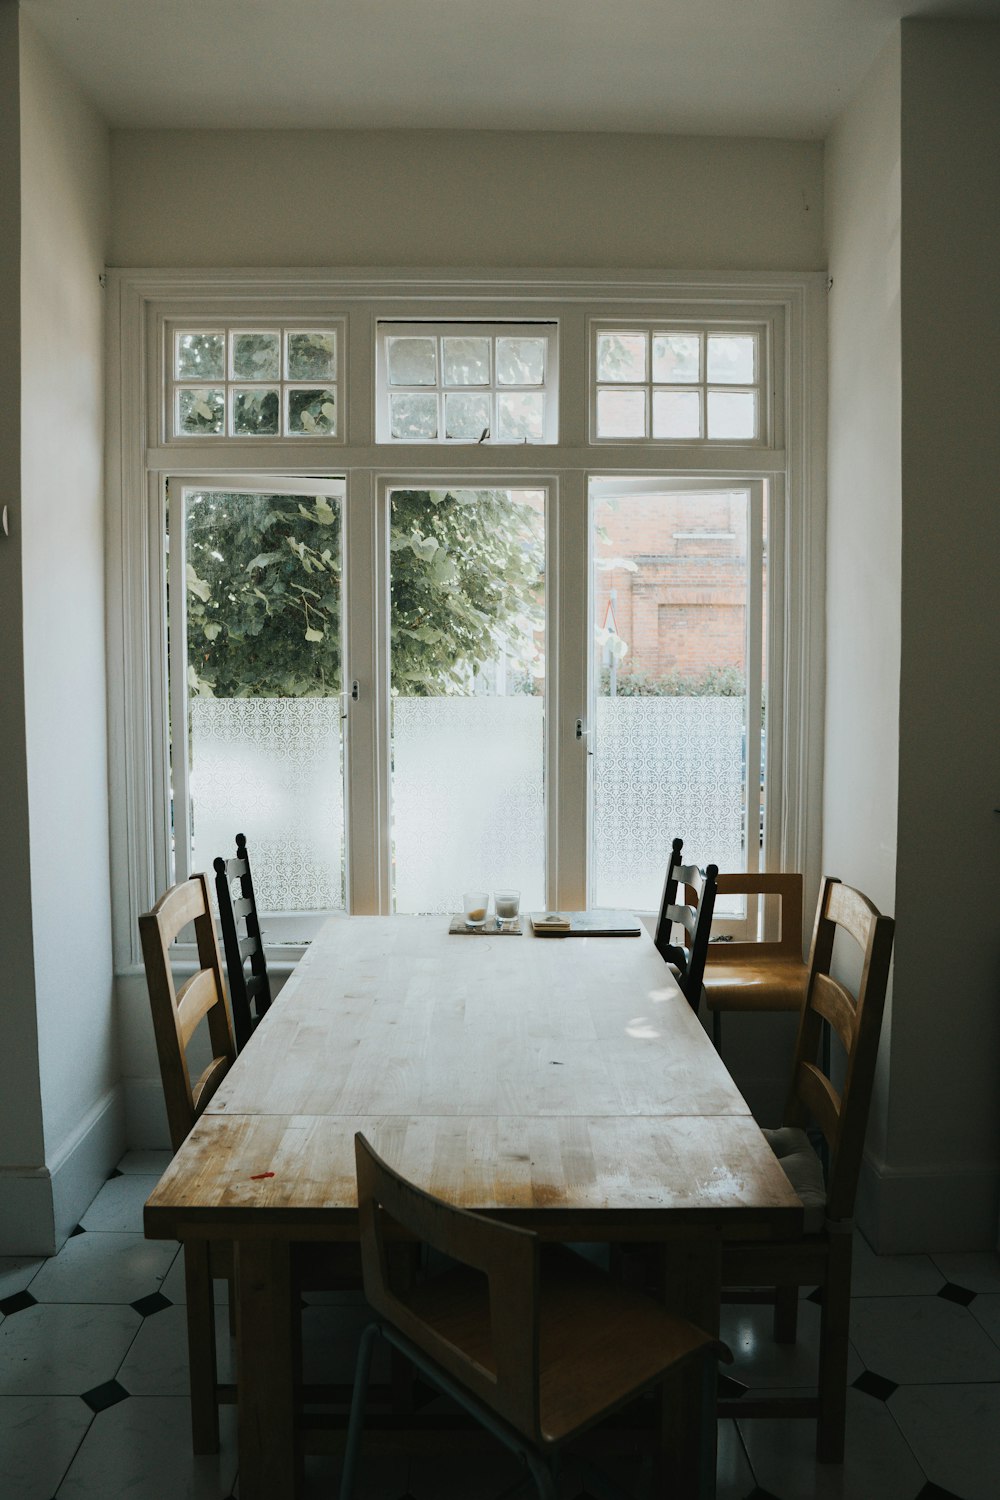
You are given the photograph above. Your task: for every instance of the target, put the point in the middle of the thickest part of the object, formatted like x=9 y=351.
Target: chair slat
x=823 y=1101
x=835 y=1004
x=194 y=1001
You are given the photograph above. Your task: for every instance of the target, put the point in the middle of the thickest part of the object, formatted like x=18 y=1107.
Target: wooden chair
x=821 y=1255
x=695 y=918
x=249 y=996
x=534 y=1342
x=764 y=976
x=176 y=1015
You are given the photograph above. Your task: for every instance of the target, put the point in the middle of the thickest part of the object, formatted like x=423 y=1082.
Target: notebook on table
x=601 y=921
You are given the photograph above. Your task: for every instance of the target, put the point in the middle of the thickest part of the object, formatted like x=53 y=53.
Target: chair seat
x=804 y=1171
x=745 y=985
x=588 y=1364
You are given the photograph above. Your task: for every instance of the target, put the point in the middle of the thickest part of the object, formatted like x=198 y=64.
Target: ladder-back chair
x=758 y=976
x=693 y=914
x=249 y=994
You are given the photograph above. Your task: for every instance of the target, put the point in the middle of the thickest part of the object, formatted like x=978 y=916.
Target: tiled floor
x=93 y=1379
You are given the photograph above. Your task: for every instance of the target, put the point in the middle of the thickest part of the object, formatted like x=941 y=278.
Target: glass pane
x=200 y=356
x=255 y=413
x=467 y=418
x=676 y=357
x=520 y=361
x=676 y=414
x=732 y=414
x=621 y=414
x=312 y=411
x=621 y=356
x=520 y=416
x=731 y=359
x=467 y=645
x=413 y=416
x=412 y=361
x=311 y=356
x=466 y=361
x=201 y=410
x=670 y=586
x=264 y=677
x=256 y=356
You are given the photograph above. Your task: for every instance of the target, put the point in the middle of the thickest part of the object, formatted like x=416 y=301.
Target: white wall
x=472 y=199
x=864 y=503
x=64 y=200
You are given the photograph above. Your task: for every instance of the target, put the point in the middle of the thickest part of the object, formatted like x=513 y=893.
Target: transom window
x=254 y=381
x=677 y=384
x=467 y=383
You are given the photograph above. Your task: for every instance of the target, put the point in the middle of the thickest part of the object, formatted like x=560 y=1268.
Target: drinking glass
x=475 y=905
x=506 y=905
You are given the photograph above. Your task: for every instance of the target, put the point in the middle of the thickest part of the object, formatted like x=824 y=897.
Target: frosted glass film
x=664 y=768
x=468 y=807
x=271 y=768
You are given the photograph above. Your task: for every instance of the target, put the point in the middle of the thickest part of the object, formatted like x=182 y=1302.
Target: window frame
x=141 y=305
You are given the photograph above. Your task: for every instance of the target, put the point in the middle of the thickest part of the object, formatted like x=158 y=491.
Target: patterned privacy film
x=255 y=382
x=679 y=385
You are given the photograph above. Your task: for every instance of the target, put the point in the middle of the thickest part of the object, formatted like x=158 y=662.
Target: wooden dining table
x=562 y=1084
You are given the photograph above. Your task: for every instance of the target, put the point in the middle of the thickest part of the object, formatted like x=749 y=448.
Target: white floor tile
x=104 y=1267
x=979 y=1271
x=892 y=1275
x=922 y=1340
x=175 y=1288
x=877 y=1465
x=148 y=1163
x=58 y=1349
x=38 y=1437
x=986 y=1311
x=16 y=1271
x=157 y=1361
x=759 y=1362
x=118 y=1206
x=141 y=1448
x=954 y=1430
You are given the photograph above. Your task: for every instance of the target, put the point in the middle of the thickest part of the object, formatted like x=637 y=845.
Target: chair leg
x=201 y=1348
x=357 y=1418
x=541 y=1474
x=833 y=1351
x=786 y=1314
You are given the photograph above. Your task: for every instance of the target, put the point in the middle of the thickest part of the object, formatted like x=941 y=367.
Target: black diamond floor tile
x=17 y=1303
x=935 y=1492
x=875 y=1385
x=115 y=1172
x=960 y=1294
x=154 y=1303
x=759 y=1494
x=730 y=1388
x=103 y=1396
x=78 y=1230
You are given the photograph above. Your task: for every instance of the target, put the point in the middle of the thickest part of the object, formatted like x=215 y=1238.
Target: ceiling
x=780 y=68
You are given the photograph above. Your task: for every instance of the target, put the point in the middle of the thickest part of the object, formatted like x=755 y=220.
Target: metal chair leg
x=542 y=1475
x=357 y=1418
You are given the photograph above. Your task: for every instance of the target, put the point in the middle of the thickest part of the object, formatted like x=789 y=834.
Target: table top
x=564 y=1082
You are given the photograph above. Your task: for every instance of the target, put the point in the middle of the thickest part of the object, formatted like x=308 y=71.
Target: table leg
x=269 y=1459
x=692 y=1269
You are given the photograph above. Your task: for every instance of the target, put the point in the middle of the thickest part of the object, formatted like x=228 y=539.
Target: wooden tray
x=488 y=929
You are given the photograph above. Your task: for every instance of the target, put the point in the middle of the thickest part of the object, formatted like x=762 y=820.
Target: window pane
x=255 y=413
x=671 y=594
x=312 y=411
x=466 y=361
x=520 y=416
x=621 y=414
x=676 y=357
x=732 y=414
x=467 y=673
x=264 y=677
x=467 y=418
x=312 y=356
x=256 y=356
x=413 y=416
x=676 y=414
x=520 y=361
x=201 y=410
x=731 y=359
x=200 y=356
x=412 y=361
x=621 y=356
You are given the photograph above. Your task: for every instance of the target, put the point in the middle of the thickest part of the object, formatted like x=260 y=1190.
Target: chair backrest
x=176 y=1013
x=669 y=898
x=694 y=914
x=505 y=1377
x=788 y=888
x=857 y=1020
x=249 y=994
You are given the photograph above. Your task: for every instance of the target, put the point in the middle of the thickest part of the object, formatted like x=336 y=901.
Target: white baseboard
x=40 y=1206
x=944 y=1208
